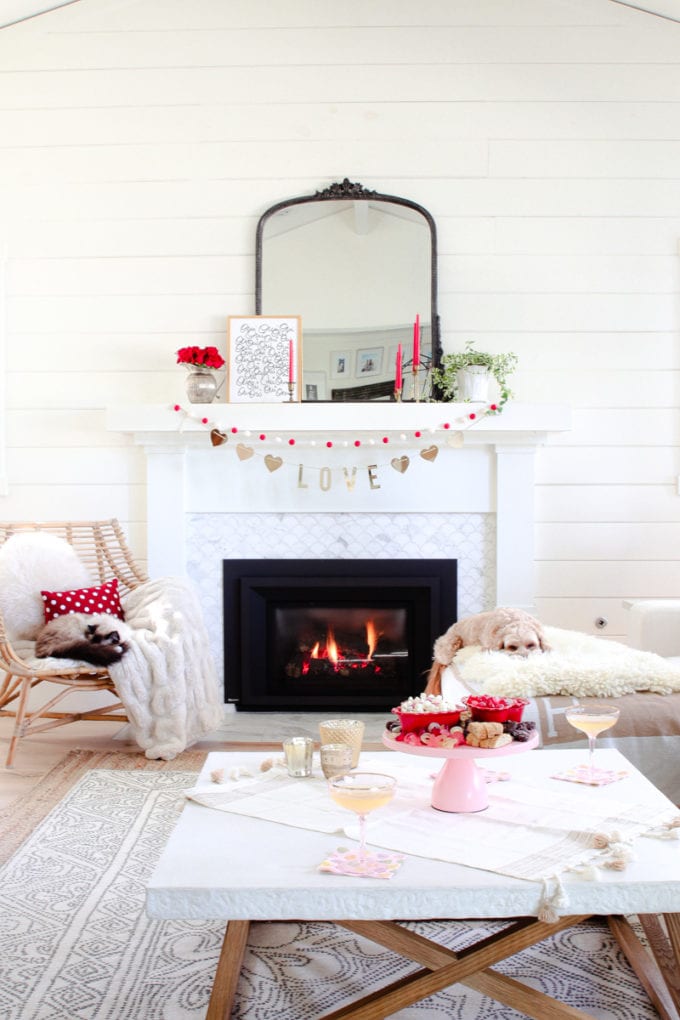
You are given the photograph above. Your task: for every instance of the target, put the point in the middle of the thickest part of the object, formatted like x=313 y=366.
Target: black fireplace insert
x=332 y=635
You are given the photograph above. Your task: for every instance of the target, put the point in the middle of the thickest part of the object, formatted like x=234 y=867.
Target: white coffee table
x=220 y=866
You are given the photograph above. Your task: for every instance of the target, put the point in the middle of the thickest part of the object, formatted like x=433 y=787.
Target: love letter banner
x=245 y=443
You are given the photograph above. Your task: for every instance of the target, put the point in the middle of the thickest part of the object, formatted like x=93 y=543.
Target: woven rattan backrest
x=100 y=545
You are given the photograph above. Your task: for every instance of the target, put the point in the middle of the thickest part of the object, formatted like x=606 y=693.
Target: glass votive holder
x=343 y=731
x=336 y=759
x=298 y=752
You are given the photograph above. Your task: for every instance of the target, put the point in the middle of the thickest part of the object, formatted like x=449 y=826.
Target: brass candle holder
x=397 y=394
x=291 y=391
x=416 y=392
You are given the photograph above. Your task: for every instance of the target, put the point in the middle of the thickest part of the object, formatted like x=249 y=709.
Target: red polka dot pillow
x=102 y=599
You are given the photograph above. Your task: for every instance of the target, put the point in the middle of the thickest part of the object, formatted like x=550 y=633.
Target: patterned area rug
x=75 y=943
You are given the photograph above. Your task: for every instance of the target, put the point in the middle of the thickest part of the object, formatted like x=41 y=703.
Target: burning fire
x=330 y=649
x=332 y=653
x=371 y=638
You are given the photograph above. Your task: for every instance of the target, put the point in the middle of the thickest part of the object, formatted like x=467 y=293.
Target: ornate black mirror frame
x=348 y=190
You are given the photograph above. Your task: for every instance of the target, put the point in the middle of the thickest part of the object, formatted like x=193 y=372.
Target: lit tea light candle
x=296 y=755
x=298 y=752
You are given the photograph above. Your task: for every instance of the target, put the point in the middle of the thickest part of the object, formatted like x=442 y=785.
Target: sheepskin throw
x=29 y=562
x=167 y=679
x=579 y=664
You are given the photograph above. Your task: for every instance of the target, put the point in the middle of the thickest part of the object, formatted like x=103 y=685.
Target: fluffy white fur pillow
x=30 y=562
x=579 y=664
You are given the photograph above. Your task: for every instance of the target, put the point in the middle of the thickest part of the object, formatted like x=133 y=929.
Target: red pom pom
x=234 y=429
x=493 y=407
x=204 y=421
x=417 y=434
x=291 y=442
x=472 y=416
x=447 y=425
x=177 y=408
x=262 y=436
x=357 y=442
x=385 y=439
x=329 y=444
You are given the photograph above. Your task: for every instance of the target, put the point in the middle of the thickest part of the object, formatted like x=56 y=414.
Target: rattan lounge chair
x=102 y=548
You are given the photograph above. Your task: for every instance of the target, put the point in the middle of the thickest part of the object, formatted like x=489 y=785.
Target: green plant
x=501 y=367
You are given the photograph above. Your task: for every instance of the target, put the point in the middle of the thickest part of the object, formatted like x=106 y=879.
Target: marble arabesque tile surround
x=213 y=537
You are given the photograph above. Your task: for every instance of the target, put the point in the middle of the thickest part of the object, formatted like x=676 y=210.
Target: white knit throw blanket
x=579 y=664
x=167 y=679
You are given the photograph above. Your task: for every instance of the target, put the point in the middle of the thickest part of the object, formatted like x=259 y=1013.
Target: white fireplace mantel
x=161 y=423
x=483 y=465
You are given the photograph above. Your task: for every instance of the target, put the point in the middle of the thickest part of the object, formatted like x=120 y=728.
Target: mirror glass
x=358 y=267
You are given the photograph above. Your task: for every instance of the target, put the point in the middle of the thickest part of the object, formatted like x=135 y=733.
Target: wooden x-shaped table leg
x=442 y=967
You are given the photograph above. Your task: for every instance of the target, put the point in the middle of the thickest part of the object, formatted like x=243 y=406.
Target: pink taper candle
x=291 y=375
x=397 y=374
x=416 y=344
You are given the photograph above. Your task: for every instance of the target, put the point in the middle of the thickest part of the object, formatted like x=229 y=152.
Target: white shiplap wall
x=140 y=140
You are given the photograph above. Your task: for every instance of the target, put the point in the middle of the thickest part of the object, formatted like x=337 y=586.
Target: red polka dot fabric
x=102 y=599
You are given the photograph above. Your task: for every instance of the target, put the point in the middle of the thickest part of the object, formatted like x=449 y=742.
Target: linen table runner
x=526 y=832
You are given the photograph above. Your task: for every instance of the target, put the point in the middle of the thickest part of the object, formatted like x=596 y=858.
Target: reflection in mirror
x=358 y=267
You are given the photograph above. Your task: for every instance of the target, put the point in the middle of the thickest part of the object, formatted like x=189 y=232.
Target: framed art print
x=263 y=356
x=369 y=362
x=341 y=365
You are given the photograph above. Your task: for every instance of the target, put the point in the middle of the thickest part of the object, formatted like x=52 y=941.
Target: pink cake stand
x=460 y=785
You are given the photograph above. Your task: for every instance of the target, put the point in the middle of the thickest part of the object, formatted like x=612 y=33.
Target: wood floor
x=37 y=754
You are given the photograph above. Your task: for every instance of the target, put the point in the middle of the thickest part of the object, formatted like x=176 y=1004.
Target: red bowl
x=507 y=709
x=412 y=721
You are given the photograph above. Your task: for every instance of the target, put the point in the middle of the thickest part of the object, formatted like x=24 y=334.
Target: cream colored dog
x=500 y=630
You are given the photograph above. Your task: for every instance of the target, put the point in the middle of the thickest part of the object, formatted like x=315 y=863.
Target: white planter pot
x=473 y=383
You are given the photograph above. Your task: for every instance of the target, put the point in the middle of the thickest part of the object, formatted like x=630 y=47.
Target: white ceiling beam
x=13 y=12
x=668 y=10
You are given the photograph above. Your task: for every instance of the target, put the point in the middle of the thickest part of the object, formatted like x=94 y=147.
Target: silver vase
x=201 y=385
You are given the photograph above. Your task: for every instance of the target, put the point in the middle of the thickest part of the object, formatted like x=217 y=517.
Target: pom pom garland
x=343 y=474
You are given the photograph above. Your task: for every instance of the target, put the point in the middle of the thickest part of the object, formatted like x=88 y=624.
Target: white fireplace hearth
x=459 y=492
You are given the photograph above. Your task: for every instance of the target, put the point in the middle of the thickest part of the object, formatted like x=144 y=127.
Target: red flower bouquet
x=204 y=357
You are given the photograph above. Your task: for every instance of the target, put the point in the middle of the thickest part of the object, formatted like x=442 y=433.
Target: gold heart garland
x=244 y=452
x=273 y=463
x=429 y=453
x=400 y=464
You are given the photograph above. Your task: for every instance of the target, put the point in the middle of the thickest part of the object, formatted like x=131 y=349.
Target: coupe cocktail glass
x=362 y=792
x=592 y=720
